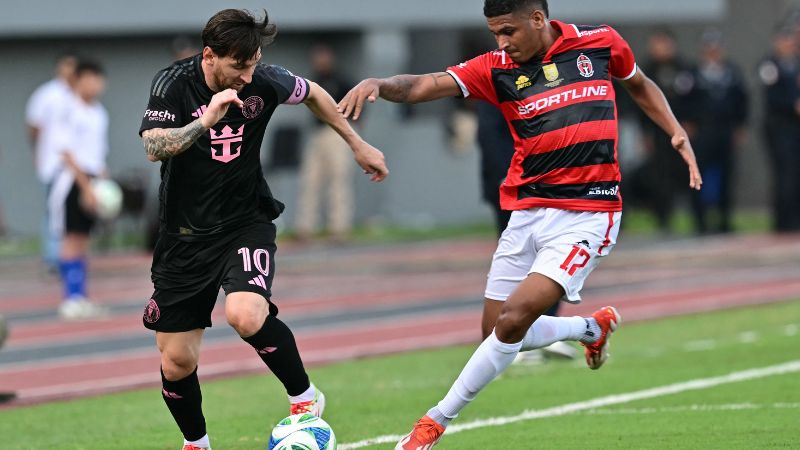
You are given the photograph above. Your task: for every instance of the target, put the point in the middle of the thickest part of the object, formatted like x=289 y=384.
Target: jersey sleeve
x=474 y=77
x=290 y=88
x=35 y=110
x=623 y=63
x=163 y=108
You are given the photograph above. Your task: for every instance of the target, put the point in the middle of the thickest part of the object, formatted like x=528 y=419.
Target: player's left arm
x=368 y=157
x=652 y=101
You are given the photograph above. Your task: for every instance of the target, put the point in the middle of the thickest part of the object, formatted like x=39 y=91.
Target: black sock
x=184 y=400
x=275 y=344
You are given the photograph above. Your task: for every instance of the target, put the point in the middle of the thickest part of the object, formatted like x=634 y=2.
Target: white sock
x=306 y=396
x=490 y=359
x=203 y=442
x=547 y=330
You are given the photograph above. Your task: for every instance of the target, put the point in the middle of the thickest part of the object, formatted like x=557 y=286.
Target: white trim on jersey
x=577 y=32
x=633 y=72
x=464 y=90
x=57 y=201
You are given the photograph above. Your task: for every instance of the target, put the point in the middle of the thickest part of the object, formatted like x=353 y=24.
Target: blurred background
x=433 y=157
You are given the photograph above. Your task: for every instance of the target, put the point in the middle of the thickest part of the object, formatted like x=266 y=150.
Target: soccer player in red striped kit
x=552 y=81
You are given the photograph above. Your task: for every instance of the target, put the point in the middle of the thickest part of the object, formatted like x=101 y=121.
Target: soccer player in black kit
x=205 y=122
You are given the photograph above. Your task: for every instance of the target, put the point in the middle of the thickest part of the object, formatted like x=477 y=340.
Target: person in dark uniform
x=716 y=111
x=668 y=71
x=780 y=74
x=205 y=122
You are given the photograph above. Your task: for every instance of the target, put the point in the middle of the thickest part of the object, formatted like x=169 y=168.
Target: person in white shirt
x=40 y=116
x=81 y=141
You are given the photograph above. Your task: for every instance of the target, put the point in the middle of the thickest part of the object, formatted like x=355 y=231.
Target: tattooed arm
x=164 y=143
x=399 y=89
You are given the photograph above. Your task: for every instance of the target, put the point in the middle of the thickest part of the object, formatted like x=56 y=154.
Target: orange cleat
x=192 y=447
x=424 y=436
x=597 y=352
x=314 y=407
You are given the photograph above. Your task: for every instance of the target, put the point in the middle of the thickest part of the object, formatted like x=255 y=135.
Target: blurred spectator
x=4 y=396
x=184 y=47
x=661 y=162
x=780 y=75
x=716 y=110
x=81 y=139
x=40 y=116
x=497 y=148
x=326 y=165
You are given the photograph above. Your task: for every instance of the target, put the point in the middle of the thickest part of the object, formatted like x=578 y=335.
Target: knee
x=246 y=323
x=511 y=326
x=178 y=365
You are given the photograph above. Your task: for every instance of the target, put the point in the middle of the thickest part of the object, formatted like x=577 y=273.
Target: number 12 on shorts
x=570 y=265
x=260 y=259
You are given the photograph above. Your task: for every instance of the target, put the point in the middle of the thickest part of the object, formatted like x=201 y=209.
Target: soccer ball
x=302 y=432
x=109 y=198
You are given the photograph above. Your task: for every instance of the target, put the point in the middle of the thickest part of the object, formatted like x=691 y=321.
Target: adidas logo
x=258 y=281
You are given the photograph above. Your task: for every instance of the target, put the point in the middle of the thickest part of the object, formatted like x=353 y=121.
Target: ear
x=208 y=55
x=538 y=19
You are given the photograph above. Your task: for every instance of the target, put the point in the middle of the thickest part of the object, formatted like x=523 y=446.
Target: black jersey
x=217 y=184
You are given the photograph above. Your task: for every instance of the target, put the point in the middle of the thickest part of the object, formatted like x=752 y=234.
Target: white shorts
x=562 y=245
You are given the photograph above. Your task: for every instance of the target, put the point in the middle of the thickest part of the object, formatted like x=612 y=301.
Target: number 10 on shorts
x=570 y=265
x=260 y=259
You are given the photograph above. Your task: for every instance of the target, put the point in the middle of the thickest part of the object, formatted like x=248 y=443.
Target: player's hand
x=218 y=107
x=681 y=143
x=353 y=102
x=371 y=160
x=88 y=201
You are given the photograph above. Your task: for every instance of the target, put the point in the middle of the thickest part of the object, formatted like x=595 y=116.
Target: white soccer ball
x=302 y=432
x=109 y=198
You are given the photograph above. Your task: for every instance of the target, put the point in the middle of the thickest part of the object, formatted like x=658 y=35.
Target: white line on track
x=616 y=399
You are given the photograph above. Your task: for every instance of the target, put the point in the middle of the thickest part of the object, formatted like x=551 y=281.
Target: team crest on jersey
x=223 y=144
x=585 y=66
x=151 y=312
x=523 y=82
x=550 y=72
x=252 y=107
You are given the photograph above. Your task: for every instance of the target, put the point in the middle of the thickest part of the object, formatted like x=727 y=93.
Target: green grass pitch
x=384 y=396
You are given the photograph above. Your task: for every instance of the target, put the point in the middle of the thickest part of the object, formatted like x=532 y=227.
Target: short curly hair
x=494 y=8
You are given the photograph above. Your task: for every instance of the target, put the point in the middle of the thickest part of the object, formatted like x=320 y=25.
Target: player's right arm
x=163 y=143
x=399 y=89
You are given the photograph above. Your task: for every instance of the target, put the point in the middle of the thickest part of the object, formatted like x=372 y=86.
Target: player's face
x=519 y=34
x=229 y=73
x=89 y=86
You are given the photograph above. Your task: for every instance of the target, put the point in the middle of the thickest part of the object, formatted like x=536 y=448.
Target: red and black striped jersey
x=561 y=110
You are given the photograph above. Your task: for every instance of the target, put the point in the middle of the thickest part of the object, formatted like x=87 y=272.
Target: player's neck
x=209 y=80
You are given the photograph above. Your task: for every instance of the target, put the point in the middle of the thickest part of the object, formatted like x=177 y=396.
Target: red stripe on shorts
x=607 y=241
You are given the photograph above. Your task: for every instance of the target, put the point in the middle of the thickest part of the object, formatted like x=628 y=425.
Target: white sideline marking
x=791 y=329
x=616 y=399
x=692 y=408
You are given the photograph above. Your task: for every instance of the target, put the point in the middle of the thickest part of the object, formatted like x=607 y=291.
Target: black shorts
x=187 y=276
x=76 y=219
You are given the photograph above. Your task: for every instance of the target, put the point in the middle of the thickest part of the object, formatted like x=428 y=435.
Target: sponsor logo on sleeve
x=159 y=116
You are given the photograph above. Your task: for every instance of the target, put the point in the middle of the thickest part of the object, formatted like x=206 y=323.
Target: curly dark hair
x=237 y=33
x=494 y=8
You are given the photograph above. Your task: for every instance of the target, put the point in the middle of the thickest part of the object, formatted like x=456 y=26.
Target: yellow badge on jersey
x=550 y=72
x=523 y=82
